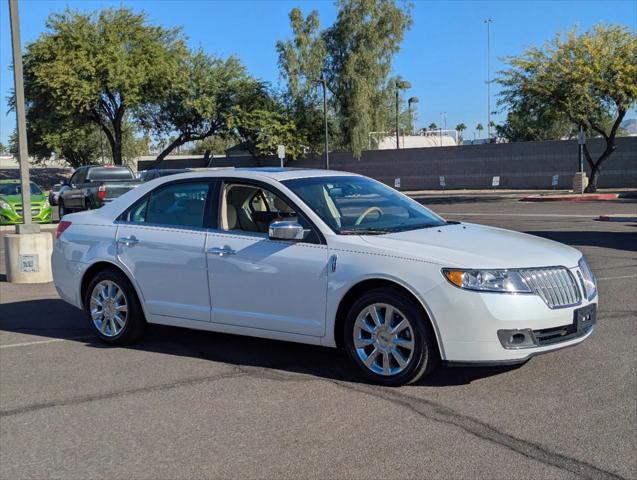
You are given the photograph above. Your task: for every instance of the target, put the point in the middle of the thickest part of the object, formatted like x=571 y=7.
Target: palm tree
x=433 y=126
x=461 y=127
x=479 y=128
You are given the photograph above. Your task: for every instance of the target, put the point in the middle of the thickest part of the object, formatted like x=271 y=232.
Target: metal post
x=23 y=152
x=488 y=22
x=327 y=147
x=397 y=138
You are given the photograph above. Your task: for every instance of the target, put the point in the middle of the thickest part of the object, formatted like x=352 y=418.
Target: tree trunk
x=164 y=153
x=592 y=183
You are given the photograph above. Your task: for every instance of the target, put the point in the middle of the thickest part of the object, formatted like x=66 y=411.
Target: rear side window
x=110 y=173
x=181 y=204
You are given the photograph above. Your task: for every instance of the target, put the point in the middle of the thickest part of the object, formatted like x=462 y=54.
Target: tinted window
x=110 y=173
x=176 y=204
x=16 y=189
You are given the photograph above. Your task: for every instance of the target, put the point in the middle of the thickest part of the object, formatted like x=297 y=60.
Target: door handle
x=221 y=251
x=128 y=241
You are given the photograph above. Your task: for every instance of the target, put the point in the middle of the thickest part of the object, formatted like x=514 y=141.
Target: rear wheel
x=62 y=209
x=389 y=338
x=112 y=308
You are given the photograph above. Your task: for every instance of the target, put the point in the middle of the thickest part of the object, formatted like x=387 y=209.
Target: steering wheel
x=363 y=215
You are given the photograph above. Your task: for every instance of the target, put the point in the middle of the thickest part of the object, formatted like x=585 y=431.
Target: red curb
x=587 y=197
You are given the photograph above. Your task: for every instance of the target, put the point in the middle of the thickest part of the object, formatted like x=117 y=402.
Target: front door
x=261 y=283
x=162 y=242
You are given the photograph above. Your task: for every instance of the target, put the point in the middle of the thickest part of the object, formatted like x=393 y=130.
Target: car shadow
x=617 y=240
x=63 y=321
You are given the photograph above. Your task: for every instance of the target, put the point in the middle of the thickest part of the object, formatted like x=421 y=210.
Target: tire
x=111 y=323
x=61 y=209
x=399 y=353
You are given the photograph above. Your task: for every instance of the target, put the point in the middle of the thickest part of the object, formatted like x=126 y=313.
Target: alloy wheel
x=383 y=339
x=108 y=307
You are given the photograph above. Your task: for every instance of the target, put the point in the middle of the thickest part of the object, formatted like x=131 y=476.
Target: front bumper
x=467 y=324
x=11 y=217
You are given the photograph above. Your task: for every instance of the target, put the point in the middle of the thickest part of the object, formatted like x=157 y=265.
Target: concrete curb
x=587 y=197
x=43 y=227
x=617 y=218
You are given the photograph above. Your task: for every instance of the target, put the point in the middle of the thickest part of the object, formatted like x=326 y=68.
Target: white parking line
x=41 y=342
x=616 y=278
x=473 y=214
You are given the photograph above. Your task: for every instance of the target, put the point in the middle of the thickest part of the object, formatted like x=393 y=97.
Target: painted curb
x=587 y=197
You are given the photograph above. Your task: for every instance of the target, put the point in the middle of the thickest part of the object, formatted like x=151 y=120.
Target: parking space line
x=558 y=215
x=617 y=278
x=41 y=342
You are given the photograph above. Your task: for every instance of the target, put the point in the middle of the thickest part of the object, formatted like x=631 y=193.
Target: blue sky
x=443 y=55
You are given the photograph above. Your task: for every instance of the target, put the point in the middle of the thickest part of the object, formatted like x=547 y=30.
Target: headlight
x=4 y=205
x=587 y=277
x=506 y=281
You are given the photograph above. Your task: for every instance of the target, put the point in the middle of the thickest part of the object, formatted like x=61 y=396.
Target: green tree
x=102 y=67
x=2 y=148
x=479 y=128
x=214 y=145
x=584 y=79
x=355 y=56
x=199 y=102
x=433 y=126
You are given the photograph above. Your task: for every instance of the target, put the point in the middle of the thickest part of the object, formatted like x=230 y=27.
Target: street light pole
x=411 y=122
x=488 y=21
x=404 y=85
x=23 y=152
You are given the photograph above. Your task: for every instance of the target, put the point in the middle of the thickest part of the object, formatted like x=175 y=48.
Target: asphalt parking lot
x=186 y=404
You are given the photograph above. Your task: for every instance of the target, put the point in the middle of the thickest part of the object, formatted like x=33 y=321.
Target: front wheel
x=112 y=308
x=62 y=209
x=389 y=338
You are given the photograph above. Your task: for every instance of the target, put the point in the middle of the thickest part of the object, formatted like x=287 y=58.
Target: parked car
x=92 y=186
x=11 y=203
x=324 y=258
x=147 y=175
x=54 y=194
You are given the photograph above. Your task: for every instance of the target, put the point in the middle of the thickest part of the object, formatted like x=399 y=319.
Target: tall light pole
x=23 y=153
x=411 y=123
x=400 y=85
x=488 y=21
x=323 y=82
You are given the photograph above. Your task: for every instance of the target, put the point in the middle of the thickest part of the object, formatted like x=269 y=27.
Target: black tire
x=135 y=323
x=424 y=356
x=62 y=209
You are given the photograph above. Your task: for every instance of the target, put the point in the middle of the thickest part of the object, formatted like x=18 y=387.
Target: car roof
x=274 y=173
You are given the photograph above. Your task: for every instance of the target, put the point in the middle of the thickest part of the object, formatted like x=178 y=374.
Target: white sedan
x=325 y=258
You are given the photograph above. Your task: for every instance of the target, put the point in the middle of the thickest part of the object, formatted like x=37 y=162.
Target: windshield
x=353 y=205
x=16 y=189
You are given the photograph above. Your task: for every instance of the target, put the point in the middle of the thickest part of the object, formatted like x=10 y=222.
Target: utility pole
x=23 y=154
x=488 y=21
x=400 y=85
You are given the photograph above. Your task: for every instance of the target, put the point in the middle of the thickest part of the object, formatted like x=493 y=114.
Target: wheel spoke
x=118 y=295
x=389 y=316
x=103 y=326
x=386 y=363
x=405 y=343
x=375 y=314
x=119 y=320
x=96 y=314
x=121 y=308
x=96 y=300
x=362 y=324
x=372 y=357
x=402 y=361
x=362 y=342
x=404 y=323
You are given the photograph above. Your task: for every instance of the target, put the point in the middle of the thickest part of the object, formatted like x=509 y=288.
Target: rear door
x=73 y=197
x=161 y=240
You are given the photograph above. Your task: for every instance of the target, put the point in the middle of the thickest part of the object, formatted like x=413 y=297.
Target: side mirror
x=286 y=230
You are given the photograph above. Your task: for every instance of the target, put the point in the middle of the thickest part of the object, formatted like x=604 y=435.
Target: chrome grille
x=555 y=285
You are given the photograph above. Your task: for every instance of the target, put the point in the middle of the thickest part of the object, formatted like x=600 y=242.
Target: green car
x=11 y=203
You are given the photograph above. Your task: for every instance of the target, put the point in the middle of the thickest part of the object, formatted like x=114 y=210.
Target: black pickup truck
x=91 y=186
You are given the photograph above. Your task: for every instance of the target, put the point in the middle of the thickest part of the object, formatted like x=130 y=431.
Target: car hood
x=17 y=199
x=469 y=245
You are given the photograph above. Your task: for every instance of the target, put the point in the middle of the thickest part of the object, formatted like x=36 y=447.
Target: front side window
x=179 y=204
x=250 y=208
x=353 y=205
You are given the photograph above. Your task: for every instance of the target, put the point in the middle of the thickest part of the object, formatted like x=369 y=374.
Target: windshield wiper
x=363 y=231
